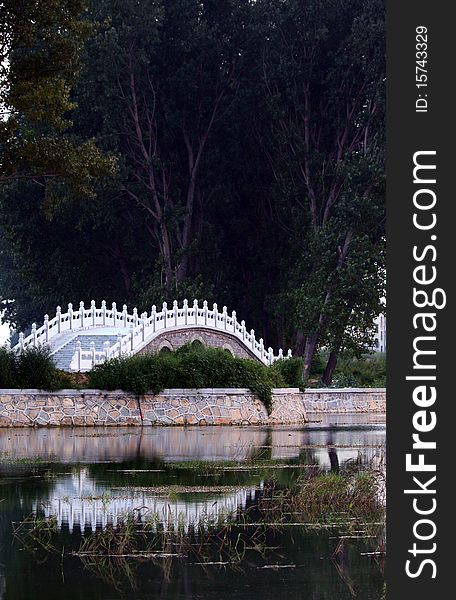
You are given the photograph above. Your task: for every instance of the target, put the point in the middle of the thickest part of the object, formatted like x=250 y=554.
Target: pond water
x=182 y=486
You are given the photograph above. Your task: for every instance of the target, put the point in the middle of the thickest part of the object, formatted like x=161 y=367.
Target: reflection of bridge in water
x=78 y=501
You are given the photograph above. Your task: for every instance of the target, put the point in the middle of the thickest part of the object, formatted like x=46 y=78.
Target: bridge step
x=64 y=355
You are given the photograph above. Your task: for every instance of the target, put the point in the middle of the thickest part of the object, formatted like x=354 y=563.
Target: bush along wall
x=187 y=368
x=32 y=368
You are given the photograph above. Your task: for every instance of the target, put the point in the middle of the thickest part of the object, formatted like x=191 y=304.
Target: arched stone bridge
x=81 y=338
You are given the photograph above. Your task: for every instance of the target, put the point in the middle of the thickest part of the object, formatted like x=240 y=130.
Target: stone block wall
x=345 y=400
x=224 y=406
x=67 y=407
x=221 y=406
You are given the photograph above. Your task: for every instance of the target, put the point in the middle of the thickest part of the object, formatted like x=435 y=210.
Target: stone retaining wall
x=345 y=400
x=221 y=406
x=224 y=406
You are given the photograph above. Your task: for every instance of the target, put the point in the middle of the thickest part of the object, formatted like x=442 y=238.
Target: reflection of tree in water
x=333 y=458
x=21 y=485
x=282 y=560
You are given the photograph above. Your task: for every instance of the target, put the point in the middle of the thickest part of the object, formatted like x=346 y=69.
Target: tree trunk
x=300 y=343
x=309 y=351
x=329 y=370
x=165 y=249
x=334 y=460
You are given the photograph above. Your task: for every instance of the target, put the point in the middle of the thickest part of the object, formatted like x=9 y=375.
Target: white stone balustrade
x=135 y=331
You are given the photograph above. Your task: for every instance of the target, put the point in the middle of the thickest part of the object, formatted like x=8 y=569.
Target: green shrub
x=188 y=367
x=367 y=371
x=291 y=371
x=36 y=369
x=32 y=368
x=317 y=366
x=7 y=369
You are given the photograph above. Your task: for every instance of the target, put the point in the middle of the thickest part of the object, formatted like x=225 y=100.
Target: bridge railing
x=76 y=320
x=139 y=330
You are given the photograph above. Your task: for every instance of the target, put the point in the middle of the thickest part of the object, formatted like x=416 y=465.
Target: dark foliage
x=367 y=371
x=291 y=371
x=249 y=141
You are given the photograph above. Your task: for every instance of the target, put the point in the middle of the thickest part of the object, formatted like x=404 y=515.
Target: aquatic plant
x=326 y=497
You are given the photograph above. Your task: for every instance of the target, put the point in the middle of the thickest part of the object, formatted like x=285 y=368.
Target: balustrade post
x=165 y=314
x=185 y=307
x=195 y=310
x=289 y=353
x=119 y=341
x=270 y=355
x=58 y=314
x=131 y=337
x=175 y=312
x=79 y=352
x=243 y=330
x=261 y=347
x=215 y=313
x=143 y=326
x=93 y=310
x=46 y=328
x=124 y=315
x=70 y=315
x=153 y=316
x=233 y=317
x=114 y=314
x=252 y=338
x=106 y=350
x=81 y=313
x=34 y=334
x=280 y=354
x=21 y=341
x=103 y=312
x=205 y=311
x=225 y=315
x=92 y=353
x=135 y=317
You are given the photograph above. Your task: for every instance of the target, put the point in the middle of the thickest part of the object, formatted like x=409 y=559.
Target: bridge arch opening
x=197 y=344
x=228 y=348
x=165 y=347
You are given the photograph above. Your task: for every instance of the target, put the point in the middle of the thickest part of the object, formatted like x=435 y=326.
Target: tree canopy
x=248 y=143
x=40 y=49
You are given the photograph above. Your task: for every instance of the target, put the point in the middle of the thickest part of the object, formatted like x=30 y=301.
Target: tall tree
x=175 y=75
x=249 y=143
x=324 y=76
